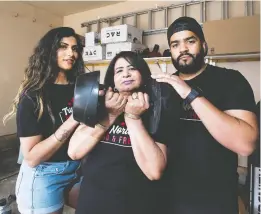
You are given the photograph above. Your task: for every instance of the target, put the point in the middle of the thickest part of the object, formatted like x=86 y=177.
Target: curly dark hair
x=43 y=69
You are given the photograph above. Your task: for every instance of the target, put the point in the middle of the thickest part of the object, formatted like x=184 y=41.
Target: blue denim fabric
x=41 y=189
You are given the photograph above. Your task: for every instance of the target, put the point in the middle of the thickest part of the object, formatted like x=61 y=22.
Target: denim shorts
x=41 y=189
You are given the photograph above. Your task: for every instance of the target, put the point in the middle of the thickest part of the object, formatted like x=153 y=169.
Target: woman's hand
x=137 y=103
x=115 y=103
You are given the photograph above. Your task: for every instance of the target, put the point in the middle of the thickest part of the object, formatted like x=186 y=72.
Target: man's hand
x=182 y=88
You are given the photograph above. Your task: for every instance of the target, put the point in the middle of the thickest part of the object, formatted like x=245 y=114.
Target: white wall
x=18 y=37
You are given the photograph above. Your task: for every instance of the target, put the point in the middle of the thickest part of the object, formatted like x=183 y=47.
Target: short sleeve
x=170 y=116
x=239 y=94
x=26 y=118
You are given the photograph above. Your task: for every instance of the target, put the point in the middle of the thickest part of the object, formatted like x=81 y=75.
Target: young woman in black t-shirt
x=43 y=107
x=123 y=154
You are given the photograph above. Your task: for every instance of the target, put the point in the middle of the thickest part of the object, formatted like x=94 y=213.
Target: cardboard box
x=120 y=33
x=92 y=39
x=94 y=53
x=233 y=36
x=114 y=48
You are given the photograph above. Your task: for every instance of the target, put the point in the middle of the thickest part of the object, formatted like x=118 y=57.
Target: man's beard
x=194 y=66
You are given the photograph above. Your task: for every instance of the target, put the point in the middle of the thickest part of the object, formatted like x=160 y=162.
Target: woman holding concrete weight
x=122 y=156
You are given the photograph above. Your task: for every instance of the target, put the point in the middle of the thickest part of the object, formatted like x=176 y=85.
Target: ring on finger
x=134 y=96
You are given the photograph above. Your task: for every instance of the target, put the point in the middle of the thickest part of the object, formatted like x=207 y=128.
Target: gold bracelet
x=57 y=138
x=132 y=116
x=102 y=126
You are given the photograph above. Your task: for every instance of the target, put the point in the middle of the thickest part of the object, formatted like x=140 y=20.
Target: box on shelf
x=114 y=48
x=93 y=53
x=92 y=39
x=242 y=35
x=120 y=33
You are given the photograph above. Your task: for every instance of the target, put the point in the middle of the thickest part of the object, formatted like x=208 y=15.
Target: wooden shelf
x=167 y=60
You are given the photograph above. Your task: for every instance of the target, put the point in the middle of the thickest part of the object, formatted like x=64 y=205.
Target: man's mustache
x=185 y=54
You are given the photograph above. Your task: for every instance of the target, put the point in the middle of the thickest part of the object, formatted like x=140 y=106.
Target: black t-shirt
x=113 y=182
x=61 y=103
x=203 y=172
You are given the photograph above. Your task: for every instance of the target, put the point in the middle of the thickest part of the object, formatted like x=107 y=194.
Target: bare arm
x=85 y=138
x=235 y=129
x=150 y=155
x=36 y=150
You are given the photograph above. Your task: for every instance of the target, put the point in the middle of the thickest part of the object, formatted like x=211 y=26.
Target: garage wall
x=213 y=12
x=19 y=34
x=251 y=70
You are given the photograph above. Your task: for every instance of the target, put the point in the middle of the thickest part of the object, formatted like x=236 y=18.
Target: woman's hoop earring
x=115 y=89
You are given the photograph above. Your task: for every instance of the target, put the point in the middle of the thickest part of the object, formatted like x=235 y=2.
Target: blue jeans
x=41 y=189
x=20 y=156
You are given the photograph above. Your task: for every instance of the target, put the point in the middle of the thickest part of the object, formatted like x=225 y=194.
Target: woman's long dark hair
x=148 y=84
x=43 y=69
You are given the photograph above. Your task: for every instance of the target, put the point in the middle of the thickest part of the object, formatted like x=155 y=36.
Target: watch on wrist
x=194 y=93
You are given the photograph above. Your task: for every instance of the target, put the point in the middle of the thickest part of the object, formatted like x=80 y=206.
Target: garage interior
x=226 y=24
